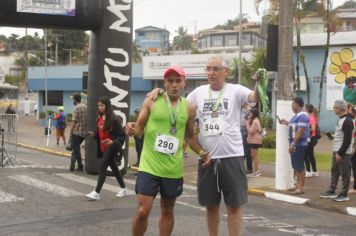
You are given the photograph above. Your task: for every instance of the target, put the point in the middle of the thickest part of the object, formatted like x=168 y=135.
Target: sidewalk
x=31 y=135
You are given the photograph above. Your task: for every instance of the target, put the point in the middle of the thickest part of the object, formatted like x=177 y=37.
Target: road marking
x=40 y=167
x=7 y=197
x=52 y=188
x=351 y=211
x=286 y=198
x=87 y=181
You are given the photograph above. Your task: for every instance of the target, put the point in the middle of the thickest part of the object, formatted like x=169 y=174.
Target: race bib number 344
x=166 y=144
x=213 y=126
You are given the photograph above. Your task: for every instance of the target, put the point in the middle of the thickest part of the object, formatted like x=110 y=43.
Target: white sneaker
x=93 y=195
x=121 y=193
x=308 y=174
x=315 y=173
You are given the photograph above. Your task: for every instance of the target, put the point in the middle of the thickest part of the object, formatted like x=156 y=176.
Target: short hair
x=221 y=58
x=350 y=79
x=299 y=101
x=77 y=97
x=341 y=104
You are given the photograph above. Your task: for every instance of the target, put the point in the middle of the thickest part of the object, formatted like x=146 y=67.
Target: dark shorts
x=225 y=177
x=254 y=146
x=298 y=158
x=150 y=185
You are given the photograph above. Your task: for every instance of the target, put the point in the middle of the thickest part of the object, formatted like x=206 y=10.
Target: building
x=342 y=45
x=8 y=64
x=63 y=81
x=311 y=24
x=152 y=40
x=347 y=18
x=218 y=40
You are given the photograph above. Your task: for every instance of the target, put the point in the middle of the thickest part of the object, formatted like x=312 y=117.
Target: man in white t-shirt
x=218 y=107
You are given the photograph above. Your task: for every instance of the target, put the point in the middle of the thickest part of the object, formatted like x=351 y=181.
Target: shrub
x=270 y=140
x=69 y=116
x=266 y=120
x=42 y=115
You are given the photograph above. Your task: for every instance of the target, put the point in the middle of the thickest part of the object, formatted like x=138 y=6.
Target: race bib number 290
x=166 y=144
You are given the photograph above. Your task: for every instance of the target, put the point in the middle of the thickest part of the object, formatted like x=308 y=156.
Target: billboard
x=193 y=64
x=50 y=7
x=341 y=65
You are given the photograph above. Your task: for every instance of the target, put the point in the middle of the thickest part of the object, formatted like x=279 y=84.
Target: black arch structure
x=110 y=22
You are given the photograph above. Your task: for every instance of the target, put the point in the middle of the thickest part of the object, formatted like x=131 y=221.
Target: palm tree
x=136 y=53
x=183 y=41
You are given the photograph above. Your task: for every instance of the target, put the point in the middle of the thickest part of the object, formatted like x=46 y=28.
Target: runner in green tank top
x=166 y=123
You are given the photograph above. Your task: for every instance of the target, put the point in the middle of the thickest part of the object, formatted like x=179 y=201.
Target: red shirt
x=103 y=134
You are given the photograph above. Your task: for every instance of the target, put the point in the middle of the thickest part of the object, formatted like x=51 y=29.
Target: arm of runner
x=137 y=128
x=74 y=124
x=192 y=140
x=155 y=93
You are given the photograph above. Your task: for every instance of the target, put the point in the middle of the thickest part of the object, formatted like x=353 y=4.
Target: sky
x=194 y=15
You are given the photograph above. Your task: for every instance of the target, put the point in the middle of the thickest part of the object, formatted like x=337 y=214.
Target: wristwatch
x=202 y=153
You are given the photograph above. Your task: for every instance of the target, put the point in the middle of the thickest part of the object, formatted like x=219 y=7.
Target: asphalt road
x=41 y=197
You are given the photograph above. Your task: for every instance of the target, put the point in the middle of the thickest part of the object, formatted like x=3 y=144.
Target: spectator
x=254 y=139
x=78 y=131
x=298 y=139
x=309 y=154
x=353 y=159
x=342 y=152
x=349 y=92
x=61 y=125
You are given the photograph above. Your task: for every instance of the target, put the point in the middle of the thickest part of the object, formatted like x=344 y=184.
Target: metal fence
x=8 y=139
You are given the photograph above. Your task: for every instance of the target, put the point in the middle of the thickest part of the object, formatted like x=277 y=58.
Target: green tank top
x=157 y=163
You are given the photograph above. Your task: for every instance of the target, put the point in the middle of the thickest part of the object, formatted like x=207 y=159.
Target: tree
x=230 y=24
x=246 y=71
x=136 y=53
x=347 y=5
x=183 y=41
x=326 y=52
x=65 y=40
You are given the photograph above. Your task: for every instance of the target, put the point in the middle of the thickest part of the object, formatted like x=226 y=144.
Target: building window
x=231 y=40
x=55 y=98
x=217 y=41
x=141 y=34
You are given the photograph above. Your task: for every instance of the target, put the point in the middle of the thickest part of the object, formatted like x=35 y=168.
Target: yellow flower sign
x=343 y=65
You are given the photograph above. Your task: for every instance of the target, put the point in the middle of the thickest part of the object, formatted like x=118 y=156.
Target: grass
x=323 y=161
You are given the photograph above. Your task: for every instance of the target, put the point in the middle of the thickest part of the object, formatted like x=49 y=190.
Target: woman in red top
x=110 y=138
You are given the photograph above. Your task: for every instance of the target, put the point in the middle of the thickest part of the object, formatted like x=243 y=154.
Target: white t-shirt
x=229 y=142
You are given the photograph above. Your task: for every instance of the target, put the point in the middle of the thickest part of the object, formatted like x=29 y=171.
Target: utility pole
x=26 y=104
x=284 y=172
x=240 y=46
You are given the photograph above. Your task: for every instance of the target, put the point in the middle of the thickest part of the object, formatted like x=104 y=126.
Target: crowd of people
x=220 y=123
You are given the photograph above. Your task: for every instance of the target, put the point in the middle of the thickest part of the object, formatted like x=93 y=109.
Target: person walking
x=245 y=110
x=342 y=152
x=218 y=106
x=254 y=139
x=166 y=122
x=78 y=131
x=61 y=125
x=309 y=154
x=298 y=140
x=110 y=138
x=353 y=159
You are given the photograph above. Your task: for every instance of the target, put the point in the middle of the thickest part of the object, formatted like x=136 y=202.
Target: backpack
x=61 y=122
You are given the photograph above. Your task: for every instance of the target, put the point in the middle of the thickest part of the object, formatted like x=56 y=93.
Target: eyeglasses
x=213 y=68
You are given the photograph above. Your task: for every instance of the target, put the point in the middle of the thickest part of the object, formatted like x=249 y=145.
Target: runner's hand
x=154 y=93
x=130 y=129
x=206 y=160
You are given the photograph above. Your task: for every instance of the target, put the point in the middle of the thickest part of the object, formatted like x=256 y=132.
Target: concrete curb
x=46 y=150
